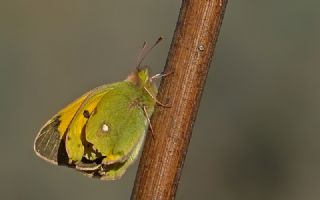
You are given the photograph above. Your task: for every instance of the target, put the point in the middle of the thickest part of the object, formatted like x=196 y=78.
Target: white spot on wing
x=105 y=128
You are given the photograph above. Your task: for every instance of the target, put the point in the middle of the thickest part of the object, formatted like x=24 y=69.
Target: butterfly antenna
x=145 y=51
x=141 y=53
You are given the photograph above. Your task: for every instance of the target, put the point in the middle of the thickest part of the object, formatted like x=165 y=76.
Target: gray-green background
x=257 y=132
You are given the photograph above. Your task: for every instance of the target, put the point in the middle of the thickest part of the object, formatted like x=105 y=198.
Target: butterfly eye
x=86 y=114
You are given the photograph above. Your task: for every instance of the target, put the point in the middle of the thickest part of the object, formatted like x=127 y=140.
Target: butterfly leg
x=156 y=76
x=149 y=122
x=156 y=100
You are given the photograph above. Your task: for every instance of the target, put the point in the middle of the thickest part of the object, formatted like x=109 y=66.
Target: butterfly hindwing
x=117 y=128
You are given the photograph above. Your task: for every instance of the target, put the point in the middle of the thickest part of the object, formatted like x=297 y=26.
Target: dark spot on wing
x=86 y=114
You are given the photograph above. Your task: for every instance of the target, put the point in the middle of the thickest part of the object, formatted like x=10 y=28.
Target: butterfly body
x=101 y=133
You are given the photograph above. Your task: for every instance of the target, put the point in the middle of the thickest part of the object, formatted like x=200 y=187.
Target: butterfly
x=101 y=133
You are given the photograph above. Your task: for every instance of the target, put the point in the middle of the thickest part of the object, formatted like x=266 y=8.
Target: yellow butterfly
x=100 y=134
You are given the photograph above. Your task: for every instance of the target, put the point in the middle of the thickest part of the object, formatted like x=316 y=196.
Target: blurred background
x=257 y=132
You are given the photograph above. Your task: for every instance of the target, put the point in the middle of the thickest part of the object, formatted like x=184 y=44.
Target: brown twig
x=189 y=59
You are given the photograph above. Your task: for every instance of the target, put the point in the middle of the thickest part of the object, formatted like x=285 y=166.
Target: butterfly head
x=141 y=79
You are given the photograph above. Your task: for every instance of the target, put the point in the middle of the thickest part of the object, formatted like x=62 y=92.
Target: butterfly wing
x=116 y=129
x=112 y=171
x=50 y=141
x=75 y=143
